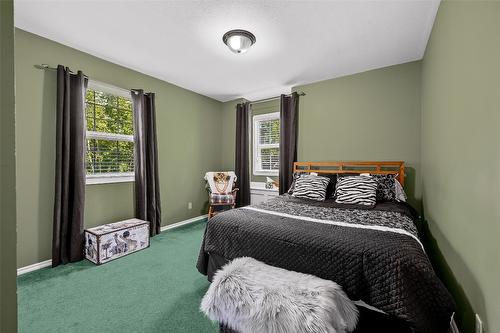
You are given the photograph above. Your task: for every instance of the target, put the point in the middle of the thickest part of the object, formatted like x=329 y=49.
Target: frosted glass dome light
x=238 y=41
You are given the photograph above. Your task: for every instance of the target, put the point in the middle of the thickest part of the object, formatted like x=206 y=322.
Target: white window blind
x=110 y=135
x=266 y=135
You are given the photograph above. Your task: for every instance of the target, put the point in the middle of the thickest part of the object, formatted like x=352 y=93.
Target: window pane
x=90 y=96
x=104 y=156
x=269 y=131
x=269 y=159
x=89 y=115
x=112 y=120
x=128 y=128
x=108 y=118
x=102 y=98
x=124 y=103
x=107 y=113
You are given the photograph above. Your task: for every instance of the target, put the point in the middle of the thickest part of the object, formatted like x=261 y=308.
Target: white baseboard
x=181 y=223
x=48 y=263
x=34 y=267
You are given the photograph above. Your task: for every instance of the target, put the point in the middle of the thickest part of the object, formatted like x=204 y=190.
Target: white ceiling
x=180 y=42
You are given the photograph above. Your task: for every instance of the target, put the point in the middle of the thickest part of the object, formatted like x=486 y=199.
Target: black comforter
x=374 y=254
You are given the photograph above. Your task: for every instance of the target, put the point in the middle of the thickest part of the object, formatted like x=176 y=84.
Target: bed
x=374 y=253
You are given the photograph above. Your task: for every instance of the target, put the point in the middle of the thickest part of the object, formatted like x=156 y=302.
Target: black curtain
x=242 y=162
x=289 y=127
x=147 y=183
x=69 y=197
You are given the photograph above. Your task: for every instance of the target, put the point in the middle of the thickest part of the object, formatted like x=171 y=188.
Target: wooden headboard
x=383 y=168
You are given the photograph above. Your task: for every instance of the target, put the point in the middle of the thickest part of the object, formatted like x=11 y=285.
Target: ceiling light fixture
x=239 y=41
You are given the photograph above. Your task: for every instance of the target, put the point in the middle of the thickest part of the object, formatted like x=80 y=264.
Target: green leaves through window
x=110 y=140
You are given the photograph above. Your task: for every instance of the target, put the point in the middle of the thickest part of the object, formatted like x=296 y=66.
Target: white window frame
x=257 y=171
x=111 y=177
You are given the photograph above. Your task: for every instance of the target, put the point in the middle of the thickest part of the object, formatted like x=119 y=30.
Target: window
x=110 y=135
x=266 y=140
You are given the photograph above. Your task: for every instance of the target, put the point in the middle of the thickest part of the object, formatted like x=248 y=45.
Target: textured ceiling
x=180 y=42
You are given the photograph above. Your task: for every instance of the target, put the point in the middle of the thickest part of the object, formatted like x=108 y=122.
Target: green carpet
x=154 y=290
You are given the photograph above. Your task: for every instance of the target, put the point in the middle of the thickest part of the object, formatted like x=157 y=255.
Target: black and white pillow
x=400 y=192
x=311 y=187
x=296 y=175
x=330 y=190
x=386 y=187
x=361 y=190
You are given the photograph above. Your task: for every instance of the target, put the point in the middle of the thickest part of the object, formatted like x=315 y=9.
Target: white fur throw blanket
x=251 y=297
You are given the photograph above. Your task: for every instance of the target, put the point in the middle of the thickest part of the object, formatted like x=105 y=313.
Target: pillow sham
x=311 y=187
x=360 y=190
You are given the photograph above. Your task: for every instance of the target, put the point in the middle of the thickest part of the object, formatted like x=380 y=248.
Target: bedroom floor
x=154 y=290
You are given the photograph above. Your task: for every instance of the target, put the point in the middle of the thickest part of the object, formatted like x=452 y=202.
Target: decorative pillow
x=311 y=187
x=386 y=187
x=361 y=190
x=296 y=175
x=342 y=175
x=216 y=198
x=330 y=190
x=400 y=192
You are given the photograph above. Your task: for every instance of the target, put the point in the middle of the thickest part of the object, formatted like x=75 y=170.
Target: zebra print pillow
x=330 y=190
x=295 y=176
x=311 y=187
x=361 y=190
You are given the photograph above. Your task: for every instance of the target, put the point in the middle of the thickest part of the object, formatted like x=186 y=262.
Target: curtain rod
x=47 y=67
x=274 y=98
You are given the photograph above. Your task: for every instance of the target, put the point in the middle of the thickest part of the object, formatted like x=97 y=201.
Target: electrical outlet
x=479 y=324
x=190 y=205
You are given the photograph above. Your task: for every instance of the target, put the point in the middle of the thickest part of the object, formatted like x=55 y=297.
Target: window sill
x=261 y=187
x=109 y=180
x=266 y=173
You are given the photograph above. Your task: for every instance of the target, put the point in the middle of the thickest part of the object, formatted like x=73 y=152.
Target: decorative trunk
x=115 y=240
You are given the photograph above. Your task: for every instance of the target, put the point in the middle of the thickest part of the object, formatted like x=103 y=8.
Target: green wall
x=188 y=139
x=8 y=307
x=373 y=115
x=461 y=153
